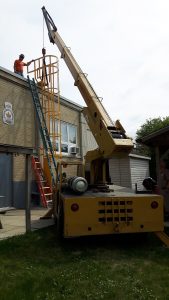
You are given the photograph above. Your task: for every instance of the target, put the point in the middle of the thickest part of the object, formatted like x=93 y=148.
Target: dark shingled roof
x=158 y=138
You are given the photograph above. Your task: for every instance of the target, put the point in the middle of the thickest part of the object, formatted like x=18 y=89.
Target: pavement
x=13 y=222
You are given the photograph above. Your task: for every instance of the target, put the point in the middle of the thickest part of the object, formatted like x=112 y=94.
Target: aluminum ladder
x=43 y=130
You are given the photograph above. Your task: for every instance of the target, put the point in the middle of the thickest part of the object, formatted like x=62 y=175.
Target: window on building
x=68 y=137
x=72 y=134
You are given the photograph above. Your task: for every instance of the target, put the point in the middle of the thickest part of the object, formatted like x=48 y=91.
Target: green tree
x=152 y=125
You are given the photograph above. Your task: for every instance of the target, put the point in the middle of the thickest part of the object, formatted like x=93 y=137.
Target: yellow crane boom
x=110 y=136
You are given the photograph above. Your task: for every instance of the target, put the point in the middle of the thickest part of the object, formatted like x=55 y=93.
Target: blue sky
x=123 y=46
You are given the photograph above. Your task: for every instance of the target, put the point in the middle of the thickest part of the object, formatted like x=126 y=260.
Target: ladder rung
x=43 y=129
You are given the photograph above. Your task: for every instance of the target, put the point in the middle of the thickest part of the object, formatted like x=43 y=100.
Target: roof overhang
x=159 y=138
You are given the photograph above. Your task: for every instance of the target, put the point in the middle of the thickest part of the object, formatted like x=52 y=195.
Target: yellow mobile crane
x=100 y=209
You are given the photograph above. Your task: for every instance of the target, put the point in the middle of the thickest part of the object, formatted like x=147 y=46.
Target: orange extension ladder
x=43 y=186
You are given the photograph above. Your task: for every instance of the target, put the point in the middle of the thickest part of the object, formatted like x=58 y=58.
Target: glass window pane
x=57 y=146
x=72 y=134
x=64 y=132
x=64 y=148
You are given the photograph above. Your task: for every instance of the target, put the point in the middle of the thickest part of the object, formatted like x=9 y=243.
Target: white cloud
x=122 y=45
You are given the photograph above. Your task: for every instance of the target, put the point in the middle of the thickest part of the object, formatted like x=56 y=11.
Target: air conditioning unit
x=74 y=150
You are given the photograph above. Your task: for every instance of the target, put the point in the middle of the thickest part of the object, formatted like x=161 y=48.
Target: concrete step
x=4 y=209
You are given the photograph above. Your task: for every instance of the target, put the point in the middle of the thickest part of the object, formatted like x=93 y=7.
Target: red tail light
x=74 y=207
x=154 y=204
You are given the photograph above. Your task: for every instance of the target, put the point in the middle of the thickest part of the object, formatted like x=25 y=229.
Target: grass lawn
x=37 y=266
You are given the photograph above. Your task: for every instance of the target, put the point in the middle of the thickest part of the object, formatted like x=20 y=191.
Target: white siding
x=129 y=170
x=139 y=170
x=120 y=171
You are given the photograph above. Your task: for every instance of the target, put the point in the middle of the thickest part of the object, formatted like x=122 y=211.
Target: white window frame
x=67 y=143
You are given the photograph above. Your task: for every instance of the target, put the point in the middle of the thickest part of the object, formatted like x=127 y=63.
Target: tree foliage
x=152 y=125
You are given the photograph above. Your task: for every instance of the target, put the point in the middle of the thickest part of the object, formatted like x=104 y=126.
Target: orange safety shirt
x=18 y=65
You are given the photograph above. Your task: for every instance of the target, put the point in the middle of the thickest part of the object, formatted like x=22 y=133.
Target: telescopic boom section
x=109 y=136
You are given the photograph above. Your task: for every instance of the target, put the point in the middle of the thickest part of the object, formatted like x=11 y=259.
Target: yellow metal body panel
x=114 y=213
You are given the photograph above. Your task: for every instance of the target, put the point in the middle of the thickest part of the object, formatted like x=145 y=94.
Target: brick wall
x=15 y=91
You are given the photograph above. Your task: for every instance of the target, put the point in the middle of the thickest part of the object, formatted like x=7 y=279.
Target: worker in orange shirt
x=19 y=64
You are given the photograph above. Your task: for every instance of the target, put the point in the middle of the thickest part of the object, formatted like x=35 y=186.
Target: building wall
x=130 y=170
x=24 y=132
x=119 y=168
x=88 y=140
x=6 y=185
x=19 y=181
x=139 y=167
x=15 y=90
x=71 y=116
